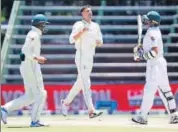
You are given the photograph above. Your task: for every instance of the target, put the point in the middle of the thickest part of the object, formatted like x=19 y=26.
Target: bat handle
x=135 y=49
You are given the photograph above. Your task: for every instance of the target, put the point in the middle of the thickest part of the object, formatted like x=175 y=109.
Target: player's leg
x=72 y=94
x=166 y=93
x=39 y=96
x=150 y=89
x=22 y=101
x=164 y=100
x=16 y=104
x=170 y=104
x=147 y=102
x=76 y=88
x=27 y=98
x=86 y=69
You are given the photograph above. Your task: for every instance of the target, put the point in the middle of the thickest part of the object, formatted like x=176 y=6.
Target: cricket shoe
x=4 y=115
x=174 y=118
x=95 y=114
x=139 y=119
x=64 y=108
x=37 y=124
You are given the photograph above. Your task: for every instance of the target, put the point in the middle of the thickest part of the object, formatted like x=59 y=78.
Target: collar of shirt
x=86 y=22
x=37 y=30
x=153 y=28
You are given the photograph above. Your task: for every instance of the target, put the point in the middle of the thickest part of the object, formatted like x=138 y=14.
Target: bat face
x=139 y=22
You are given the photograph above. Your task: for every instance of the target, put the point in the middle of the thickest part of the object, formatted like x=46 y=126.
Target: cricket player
x=156 y=71
x=31 y=73
x=87 y=36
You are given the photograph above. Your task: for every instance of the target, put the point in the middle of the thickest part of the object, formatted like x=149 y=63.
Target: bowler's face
x=87 y=13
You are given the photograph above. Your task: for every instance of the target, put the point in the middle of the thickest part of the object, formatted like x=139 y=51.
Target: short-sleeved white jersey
x=32 y=46
x=153 y=38
x=87 y=42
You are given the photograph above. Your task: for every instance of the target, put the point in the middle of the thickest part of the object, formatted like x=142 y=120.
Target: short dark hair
x=84 y=7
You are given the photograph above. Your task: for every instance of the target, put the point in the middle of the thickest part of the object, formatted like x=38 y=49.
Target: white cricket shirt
x=87 y=42
x=153 y=38
x=32 y=46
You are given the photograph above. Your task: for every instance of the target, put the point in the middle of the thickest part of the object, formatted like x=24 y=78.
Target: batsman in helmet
x=156 y=70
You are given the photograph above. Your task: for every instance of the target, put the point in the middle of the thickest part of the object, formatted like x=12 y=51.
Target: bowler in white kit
x=156 y=71
x=31 y=73
x=86 y=36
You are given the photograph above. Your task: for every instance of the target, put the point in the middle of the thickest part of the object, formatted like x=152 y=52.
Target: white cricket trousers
x=84 y=65
x=34 y=90
x=157 y=79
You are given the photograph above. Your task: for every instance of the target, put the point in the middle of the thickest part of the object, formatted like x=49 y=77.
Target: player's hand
x=137 y=47
x=137 y=59
x=41 y=59
x=78 y=35
x=98 y=43
x=138 y=56
x=85 y=29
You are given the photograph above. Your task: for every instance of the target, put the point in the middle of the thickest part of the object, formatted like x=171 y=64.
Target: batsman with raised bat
x=156 y=70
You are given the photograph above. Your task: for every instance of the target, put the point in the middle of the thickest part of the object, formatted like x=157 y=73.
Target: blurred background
x=117 y=81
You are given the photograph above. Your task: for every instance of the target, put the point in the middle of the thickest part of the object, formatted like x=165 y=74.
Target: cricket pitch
x=78 y=123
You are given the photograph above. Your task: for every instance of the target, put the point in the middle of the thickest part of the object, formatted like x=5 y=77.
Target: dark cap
x=84 y=7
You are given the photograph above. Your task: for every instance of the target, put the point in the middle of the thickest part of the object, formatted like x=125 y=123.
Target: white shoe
x=4 y=115
x=139 y=119
x=95 y=114
x=64 y=108
x=174 y=118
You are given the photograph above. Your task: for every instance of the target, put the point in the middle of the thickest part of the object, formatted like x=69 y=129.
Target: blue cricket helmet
x=39 y=18
x=152 y=16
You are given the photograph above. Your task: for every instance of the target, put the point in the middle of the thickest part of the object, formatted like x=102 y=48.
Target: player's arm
x=28 y=51
x=154 y=50
x=99 y=40
x=150 y=54
x=76 y=32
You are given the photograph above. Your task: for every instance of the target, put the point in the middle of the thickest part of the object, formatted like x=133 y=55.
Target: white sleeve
x=76 y=28
x=28 y=48
x=154 y=39
x=99 y=34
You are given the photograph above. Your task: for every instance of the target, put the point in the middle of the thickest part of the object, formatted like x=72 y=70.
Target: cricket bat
x=139 y=23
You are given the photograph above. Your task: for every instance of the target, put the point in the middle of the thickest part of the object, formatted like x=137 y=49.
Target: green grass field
x=86 y=129
x=113 y=123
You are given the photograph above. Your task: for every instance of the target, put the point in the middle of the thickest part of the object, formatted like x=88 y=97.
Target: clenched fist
x=40 y=59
